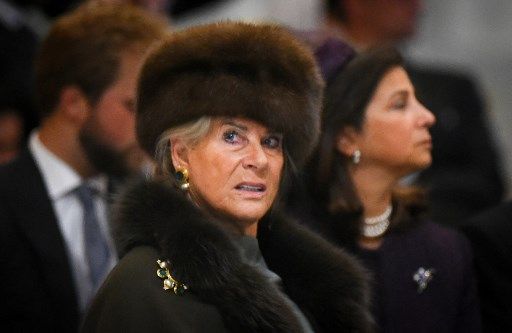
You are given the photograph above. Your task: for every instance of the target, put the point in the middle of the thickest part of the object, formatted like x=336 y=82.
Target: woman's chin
x=248 y=217
x=245 y=216
x=419 y=164
x=424 y=163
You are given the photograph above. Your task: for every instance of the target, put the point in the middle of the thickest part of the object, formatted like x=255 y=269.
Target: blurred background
x=471 y=36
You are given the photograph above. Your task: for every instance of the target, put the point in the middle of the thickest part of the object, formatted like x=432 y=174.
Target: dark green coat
x=224 y=294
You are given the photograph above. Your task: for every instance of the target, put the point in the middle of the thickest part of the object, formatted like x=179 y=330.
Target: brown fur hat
x=232 y=69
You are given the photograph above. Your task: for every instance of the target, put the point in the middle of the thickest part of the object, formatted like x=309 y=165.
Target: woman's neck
x=374 y=188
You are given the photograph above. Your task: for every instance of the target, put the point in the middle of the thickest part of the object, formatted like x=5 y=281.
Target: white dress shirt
x=61 y=180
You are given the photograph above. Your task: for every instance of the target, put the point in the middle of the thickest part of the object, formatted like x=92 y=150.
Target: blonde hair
x=190 y=133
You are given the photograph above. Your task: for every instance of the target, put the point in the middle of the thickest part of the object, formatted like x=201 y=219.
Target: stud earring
x=356 y=156
x=181 y=177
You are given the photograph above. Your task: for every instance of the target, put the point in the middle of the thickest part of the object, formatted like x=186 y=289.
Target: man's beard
x=103 y=157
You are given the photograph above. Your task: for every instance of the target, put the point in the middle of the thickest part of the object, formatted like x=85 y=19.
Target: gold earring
x=181 y=177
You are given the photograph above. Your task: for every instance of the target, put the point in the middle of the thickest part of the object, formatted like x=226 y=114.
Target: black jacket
x=156 y=222
x=37 y=291
x=448 y=304
x=490 y=234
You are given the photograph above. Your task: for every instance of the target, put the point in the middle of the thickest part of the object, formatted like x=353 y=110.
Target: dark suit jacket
x=37 y=290
x=491 y=236
x=450 y=301
x=448 y=304
x=465 y=176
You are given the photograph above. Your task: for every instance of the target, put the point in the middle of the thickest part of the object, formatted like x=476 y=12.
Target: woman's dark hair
x=346 y=98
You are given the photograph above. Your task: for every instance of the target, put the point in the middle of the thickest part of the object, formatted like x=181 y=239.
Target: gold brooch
x=169 y=281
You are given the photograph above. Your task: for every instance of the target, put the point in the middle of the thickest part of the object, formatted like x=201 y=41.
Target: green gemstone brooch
x=170 y=283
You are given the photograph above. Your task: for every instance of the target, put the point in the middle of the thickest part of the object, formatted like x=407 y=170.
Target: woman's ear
x=179 y=154
x=346 y=142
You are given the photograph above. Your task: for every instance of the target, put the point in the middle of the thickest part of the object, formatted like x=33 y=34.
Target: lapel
x=38 y=222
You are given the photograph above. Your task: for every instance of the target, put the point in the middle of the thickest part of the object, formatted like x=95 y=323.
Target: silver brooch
x=422 y=277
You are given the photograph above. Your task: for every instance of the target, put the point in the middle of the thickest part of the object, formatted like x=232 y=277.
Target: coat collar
x=326 y=283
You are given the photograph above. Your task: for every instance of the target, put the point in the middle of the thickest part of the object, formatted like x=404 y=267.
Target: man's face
x=108 y=134
x=395 y=19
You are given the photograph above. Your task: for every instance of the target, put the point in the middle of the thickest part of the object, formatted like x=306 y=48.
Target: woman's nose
x=255 y=156
x=426 y=118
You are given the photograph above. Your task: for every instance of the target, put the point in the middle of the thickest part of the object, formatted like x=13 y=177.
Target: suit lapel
x=38 y=221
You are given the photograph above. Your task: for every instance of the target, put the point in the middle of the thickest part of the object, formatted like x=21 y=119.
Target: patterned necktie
x=97 y=252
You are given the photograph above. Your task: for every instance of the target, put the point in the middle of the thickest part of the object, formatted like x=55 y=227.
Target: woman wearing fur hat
x=227 y=109
x=375 y=132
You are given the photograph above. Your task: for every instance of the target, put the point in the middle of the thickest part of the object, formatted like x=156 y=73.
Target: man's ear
x=179 y=154
x=346 y=141
x=74 y=104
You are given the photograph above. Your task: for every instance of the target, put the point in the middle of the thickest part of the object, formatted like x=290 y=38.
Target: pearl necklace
x=377 y=225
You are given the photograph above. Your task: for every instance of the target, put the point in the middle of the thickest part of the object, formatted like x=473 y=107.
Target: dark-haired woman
x=374 y=133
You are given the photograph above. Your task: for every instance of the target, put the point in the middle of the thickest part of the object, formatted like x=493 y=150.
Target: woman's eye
x=273 y=142
x=401 y=104
x=231 y=137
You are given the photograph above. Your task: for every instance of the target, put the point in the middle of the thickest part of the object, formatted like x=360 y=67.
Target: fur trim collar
x=326 y=283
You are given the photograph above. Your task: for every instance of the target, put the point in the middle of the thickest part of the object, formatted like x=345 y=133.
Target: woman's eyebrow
x=235 y=124
x=401 y=93
x=276 y=133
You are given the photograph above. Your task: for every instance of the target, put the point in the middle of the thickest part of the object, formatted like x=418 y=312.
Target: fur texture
x=260 y=72
x=326 y=283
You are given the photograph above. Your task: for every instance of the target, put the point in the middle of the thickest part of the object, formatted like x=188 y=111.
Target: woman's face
x=395 y=132
x=235 y=170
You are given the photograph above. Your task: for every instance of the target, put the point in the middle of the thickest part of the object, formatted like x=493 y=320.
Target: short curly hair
x=83 y=48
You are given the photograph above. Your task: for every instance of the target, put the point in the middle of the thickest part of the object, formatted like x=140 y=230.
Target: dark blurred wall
x=474 y=36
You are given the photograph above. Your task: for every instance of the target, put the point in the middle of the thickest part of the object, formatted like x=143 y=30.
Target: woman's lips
x=426 y=142
x=251 y=187
x=251 y=190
